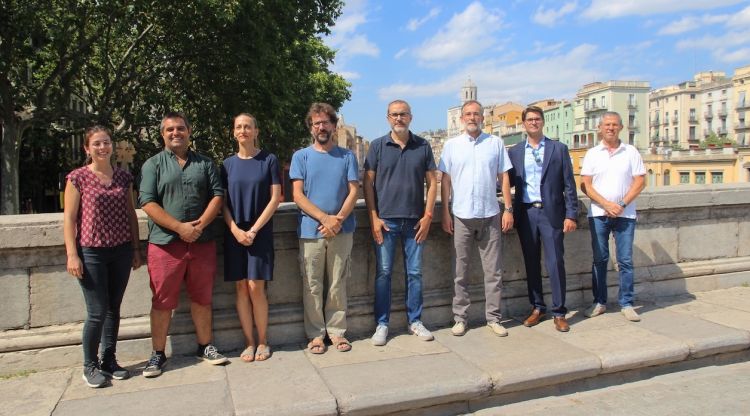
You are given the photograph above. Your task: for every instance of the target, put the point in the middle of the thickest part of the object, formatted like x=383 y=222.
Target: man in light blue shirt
x=324 y=185
x=472 y=164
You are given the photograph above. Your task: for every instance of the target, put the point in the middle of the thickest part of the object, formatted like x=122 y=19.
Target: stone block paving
x=451 y=375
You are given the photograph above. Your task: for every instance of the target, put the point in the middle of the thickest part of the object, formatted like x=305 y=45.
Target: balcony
x=721 y=131
x=741 y=126
x=743 y=105
x=633 y=125
x=632 y=105
x=708 y=115
x=707 y=132
x=594 y=107
x=693 y=119
x=722 y=112
x=655 y=123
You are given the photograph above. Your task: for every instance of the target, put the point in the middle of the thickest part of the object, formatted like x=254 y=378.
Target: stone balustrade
x=688 y=239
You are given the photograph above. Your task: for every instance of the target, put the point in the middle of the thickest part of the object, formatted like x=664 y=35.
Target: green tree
x=129 y=62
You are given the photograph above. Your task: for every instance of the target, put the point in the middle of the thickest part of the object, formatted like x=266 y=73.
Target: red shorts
x=170 y=264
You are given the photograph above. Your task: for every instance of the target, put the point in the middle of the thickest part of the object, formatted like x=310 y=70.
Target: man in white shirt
x=612 y=175
x=472 y=164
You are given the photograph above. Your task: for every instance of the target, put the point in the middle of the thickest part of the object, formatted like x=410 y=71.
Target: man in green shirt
x=181 y=193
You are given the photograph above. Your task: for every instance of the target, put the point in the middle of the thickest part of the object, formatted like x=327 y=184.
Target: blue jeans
x=400 y=229
x=624 y=232
x=106 y=271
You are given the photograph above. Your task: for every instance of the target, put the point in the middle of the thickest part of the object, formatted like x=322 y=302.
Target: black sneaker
x=155 y=365
x=211 y=355
x=92 y=376
x=110 y=368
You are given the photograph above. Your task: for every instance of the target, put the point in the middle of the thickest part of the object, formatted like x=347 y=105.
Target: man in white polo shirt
x=472 y=164
x=612 y=175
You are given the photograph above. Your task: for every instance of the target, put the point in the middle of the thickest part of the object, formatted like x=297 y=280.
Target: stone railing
x=688 y=238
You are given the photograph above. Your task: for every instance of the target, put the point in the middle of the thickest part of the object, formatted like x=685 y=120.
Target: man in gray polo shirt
x=396 y=168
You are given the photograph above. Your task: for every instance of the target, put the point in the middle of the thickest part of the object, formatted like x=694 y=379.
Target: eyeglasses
x=397 y=115
x=535 y=153
x=534 y=120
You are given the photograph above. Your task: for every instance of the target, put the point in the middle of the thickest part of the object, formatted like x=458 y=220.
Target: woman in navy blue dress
x=253 y=192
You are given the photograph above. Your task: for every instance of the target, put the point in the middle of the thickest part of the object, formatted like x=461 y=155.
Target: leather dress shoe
x=536 y=316
x=561 y=324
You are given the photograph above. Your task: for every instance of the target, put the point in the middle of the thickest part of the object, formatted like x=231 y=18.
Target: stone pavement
x=451 y=375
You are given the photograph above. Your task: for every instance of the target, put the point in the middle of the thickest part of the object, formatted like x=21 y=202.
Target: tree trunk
x=11 y=145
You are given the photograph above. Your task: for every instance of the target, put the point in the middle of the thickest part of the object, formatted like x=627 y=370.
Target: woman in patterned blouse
x=102 y=244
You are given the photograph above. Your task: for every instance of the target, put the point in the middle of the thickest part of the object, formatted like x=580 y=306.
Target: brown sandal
x=317 y=346
x=341 y=344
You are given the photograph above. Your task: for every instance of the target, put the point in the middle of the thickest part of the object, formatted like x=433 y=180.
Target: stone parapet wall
x=688 y=239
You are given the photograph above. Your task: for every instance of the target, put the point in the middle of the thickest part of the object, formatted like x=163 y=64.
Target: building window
x=651 y=182
x=700 y=178
x=666 y=177
x=717 y=177
x=631 y=138
x=692 y=96
x=692 y=133
x=684 y=177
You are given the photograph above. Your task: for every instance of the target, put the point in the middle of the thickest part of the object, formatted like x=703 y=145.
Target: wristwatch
x=509 y=209
x=622 y=203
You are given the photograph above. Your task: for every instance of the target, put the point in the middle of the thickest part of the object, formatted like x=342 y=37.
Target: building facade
x=741 y=101
x=628 y=98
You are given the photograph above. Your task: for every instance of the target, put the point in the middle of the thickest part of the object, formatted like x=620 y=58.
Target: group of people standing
x=182 y=192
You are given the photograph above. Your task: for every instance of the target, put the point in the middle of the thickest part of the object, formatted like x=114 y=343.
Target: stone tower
x=468 y=91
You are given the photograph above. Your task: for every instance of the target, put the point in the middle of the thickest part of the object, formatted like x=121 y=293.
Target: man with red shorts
x=181 y=192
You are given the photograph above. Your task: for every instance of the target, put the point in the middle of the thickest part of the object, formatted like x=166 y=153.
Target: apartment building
x=628 y=98
x=741 y=101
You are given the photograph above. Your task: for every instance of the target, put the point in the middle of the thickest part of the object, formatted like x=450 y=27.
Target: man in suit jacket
x=545 y=207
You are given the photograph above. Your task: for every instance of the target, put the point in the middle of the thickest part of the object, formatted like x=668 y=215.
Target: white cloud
x=542 y=47
x=415 y=24
x=741 y=19
x=523 y=81
x=349 y=75
x=400 y=53
x=689 y=23
x=467 y=34
x=738 y=55
x=608 y=9
x=548 y=17
x=730 y=47
x=345 y=35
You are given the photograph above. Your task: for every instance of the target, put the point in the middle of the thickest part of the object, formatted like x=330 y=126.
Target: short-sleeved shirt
x=103 y=217
x=183 y=192
x=248 y=184
x=400 y=175
x=612 y=175
x=473 y=165
x=325 y=177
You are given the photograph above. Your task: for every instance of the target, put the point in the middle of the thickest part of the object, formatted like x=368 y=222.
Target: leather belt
x=537 y=204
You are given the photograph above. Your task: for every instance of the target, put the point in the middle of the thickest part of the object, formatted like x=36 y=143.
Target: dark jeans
x=106 y=271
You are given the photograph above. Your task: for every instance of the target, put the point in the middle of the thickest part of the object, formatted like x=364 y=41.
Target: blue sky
x=523 y=50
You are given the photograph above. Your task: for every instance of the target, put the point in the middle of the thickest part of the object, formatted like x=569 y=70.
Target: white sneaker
x=380 y=335
x=418 y=329
x=630 y=314
x=498 y=329
x=458 y=329
x=595 y=310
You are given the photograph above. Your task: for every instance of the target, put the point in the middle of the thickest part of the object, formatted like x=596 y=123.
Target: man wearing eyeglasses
x=396 y=168
x=324 y=185
x=472 y=164
x=545 y=208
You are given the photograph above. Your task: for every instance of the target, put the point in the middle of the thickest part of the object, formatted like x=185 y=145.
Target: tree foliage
x=129 y=62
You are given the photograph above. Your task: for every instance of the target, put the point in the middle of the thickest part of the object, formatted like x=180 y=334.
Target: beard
x=323 y=137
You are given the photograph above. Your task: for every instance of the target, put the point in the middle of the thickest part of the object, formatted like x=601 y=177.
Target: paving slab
x=34 y=394
x=285 y=384
x=735 y=298
x=701 y=336
x=710 y=311
x=363 y=351
x=180 y=371
x=209 y=398
x=620 y=344
x=525 y=359
x=388 y=386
